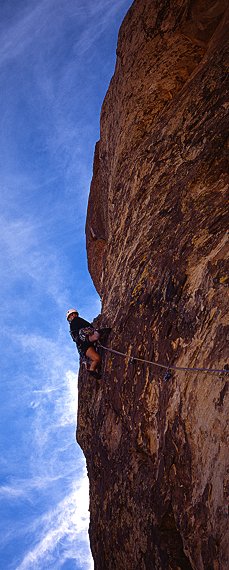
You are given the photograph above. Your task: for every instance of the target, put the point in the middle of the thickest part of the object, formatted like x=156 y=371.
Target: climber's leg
x=95 y=358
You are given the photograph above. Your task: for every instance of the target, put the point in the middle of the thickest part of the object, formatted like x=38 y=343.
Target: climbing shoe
x=95 y=374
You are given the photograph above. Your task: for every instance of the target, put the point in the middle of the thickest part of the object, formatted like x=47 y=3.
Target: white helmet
x=70 y=311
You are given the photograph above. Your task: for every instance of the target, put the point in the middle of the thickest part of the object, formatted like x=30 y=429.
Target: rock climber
x=85 y=336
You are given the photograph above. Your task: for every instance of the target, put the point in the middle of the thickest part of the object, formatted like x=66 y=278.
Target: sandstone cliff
x=156 y=239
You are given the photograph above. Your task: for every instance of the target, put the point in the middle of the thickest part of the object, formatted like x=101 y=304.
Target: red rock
x=156 y=240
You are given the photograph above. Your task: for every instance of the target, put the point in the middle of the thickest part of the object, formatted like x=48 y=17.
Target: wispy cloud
x=57 y=382
x=54 y=76
x=18 y=33
x=10 y=492
x=30 y=25
x=27 y=258
x=51 y=441
x=68 y=521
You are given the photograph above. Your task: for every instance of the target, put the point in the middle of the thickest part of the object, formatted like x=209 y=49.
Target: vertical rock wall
x=157 y=248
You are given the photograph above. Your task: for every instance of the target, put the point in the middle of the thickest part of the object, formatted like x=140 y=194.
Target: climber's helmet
x=71 y=313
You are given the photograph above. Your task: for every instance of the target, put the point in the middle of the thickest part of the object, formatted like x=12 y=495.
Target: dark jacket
x=76 y=324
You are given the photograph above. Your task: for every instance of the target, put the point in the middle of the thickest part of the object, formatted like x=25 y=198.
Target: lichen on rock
x=157 y=249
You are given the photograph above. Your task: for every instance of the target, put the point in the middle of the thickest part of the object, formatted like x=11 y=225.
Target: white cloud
x=54 y=462
x=9 y=492
x=47 y=140
x=69 y=521
x=23 y=30
x=25 y=255
x=57 y=381
x=31 y=24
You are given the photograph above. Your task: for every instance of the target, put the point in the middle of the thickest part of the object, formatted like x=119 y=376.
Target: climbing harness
x=168 y=369
x=85 y=333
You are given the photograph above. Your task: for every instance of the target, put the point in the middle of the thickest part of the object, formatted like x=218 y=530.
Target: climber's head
x=71 y=314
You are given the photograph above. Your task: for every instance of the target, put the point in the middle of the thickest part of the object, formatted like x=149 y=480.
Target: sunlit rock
x=156 y=450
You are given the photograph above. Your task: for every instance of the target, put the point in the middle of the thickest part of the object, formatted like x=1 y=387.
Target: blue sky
x=56 y=60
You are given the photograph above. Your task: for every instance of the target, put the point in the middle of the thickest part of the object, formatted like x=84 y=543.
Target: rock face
x=156 y=451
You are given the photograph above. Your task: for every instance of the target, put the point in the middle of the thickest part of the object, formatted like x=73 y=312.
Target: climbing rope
x=167 y=367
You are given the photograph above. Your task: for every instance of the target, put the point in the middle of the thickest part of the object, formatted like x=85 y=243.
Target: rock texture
x=156 y=451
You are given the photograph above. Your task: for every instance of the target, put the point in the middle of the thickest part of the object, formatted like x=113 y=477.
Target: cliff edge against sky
x=156 y=451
